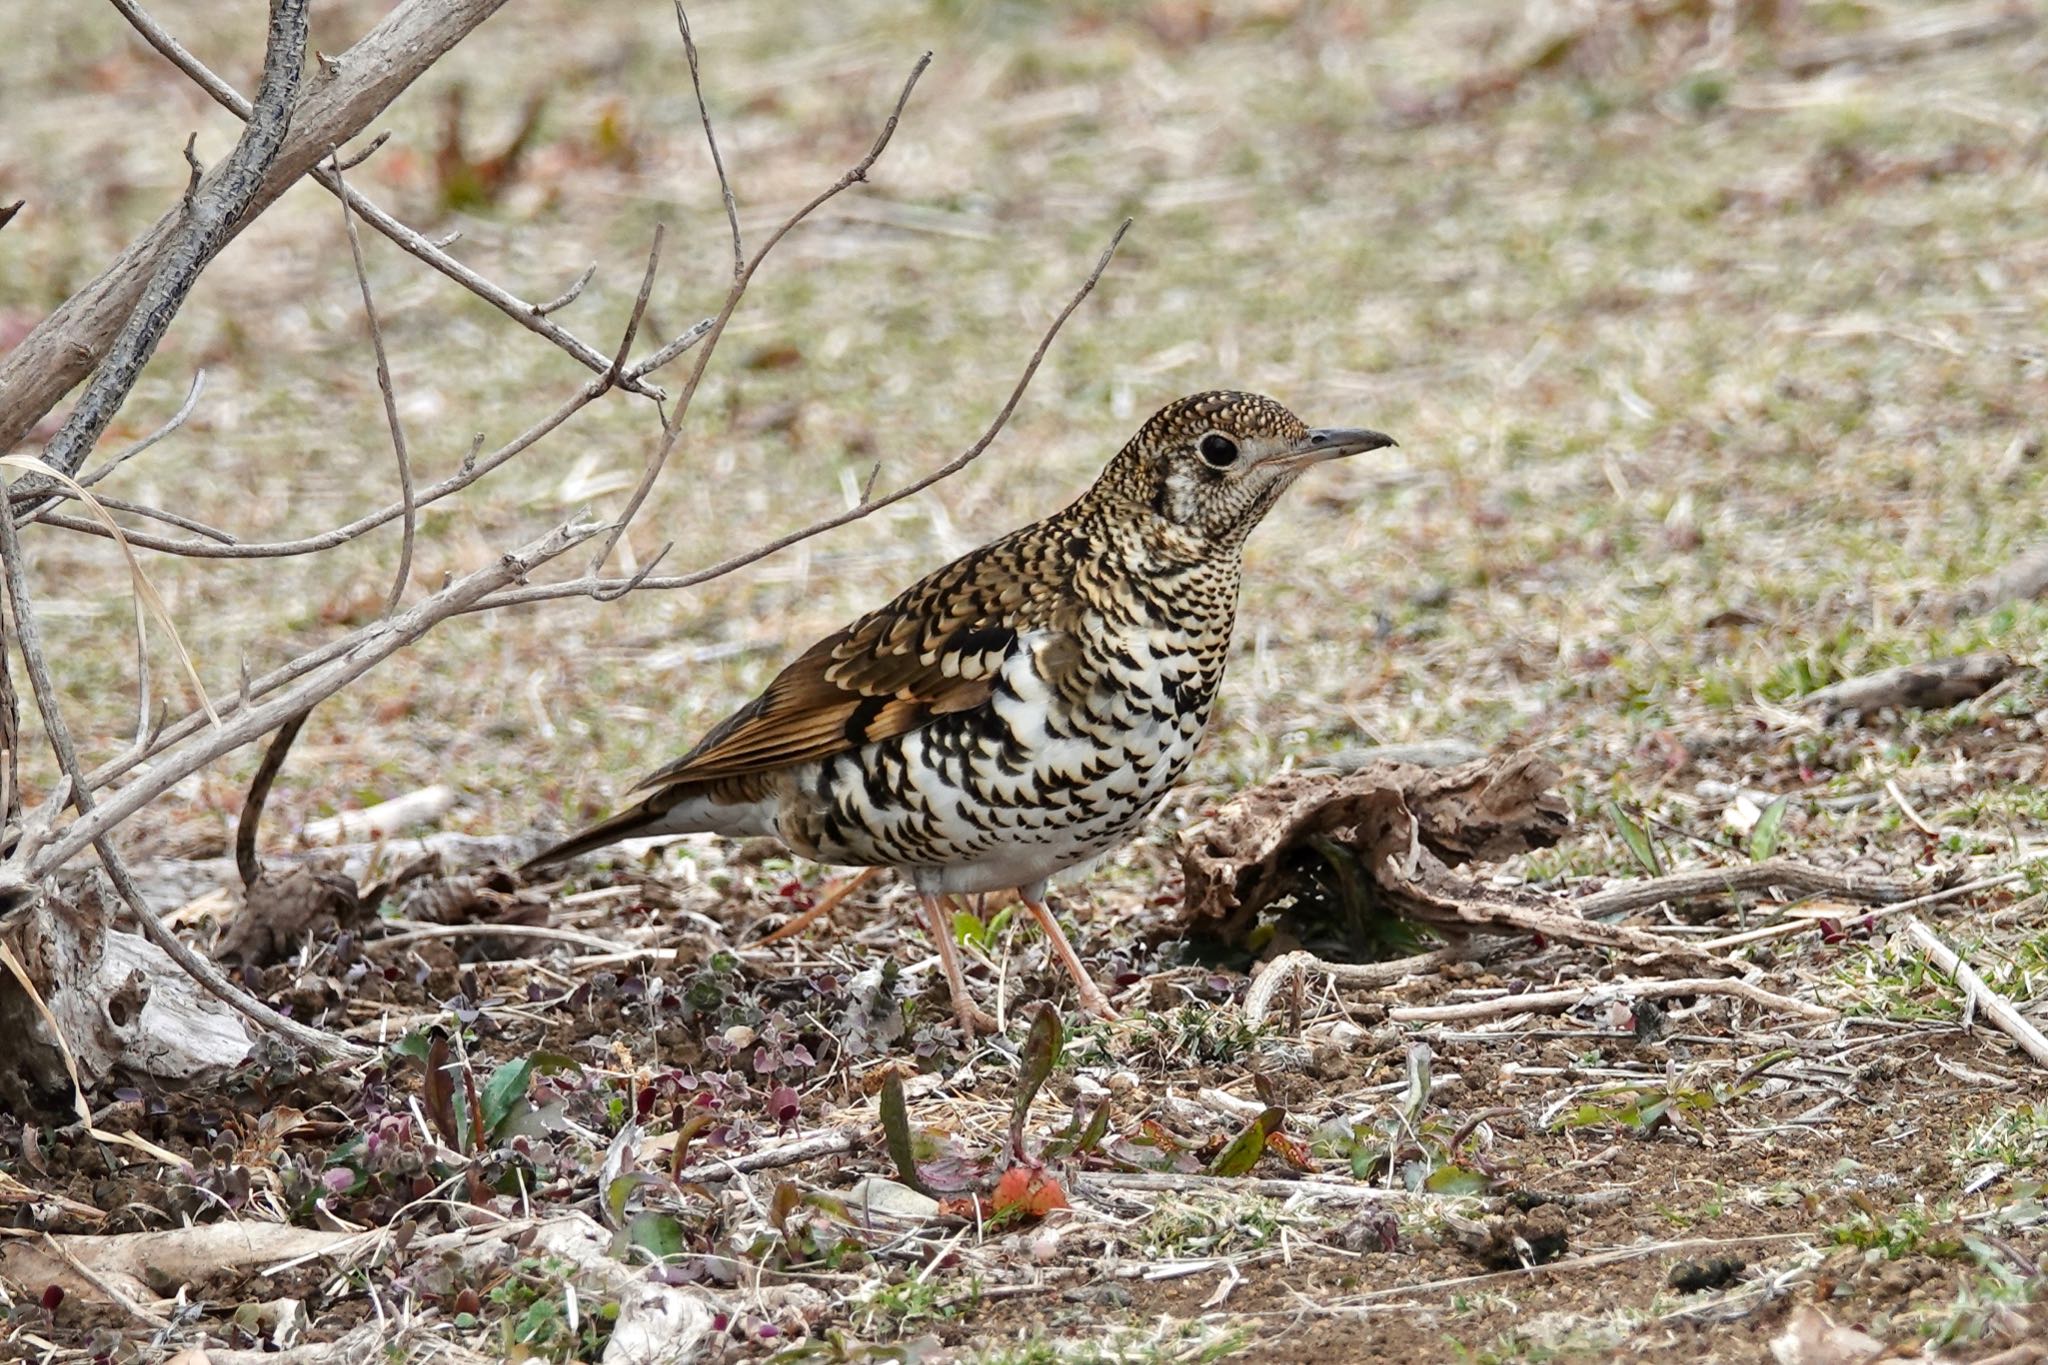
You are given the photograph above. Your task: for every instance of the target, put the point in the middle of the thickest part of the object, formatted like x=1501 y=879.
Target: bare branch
x=320 y=674
x=75 y=337
x=138 y=509
x=471 y=470
x=591 y=585
x=405 y=490
x=858 y=172
x=732 y=207
x=533 y=319
x=28 y=638
x=209 y=214
x=349 y=163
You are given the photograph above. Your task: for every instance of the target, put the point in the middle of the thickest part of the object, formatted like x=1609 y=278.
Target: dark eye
x=1218 y=451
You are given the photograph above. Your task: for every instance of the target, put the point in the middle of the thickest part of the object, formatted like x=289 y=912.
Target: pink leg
x=940 y=921
x=1092 y=998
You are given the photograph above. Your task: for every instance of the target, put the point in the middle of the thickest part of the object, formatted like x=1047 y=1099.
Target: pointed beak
x=1332 y=443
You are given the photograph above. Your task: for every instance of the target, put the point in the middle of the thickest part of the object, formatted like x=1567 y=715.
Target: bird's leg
x=1092 y=998
x=972 y=1017
x=827 y=903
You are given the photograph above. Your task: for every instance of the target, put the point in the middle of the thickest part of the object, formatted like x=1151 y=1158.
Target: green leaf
x=1041 y=1055
x=1456 y=1180
x=413 y=1045
x=896 y=1130
x=658 y=1234
x=1247 y=1147
x=503 y=1093
x=1763 y=840
x=1638 y=840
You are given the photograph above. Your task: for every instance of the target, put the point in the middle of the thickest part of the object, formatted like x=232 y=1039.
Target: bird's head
x=1212 y=464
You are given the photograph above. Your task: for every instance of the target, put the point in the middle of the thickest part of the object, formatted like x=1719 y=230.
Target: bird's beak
x=1332 y=443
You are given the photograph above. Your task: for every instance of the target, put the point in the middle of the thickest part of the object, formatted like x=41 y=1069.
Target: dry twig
x=2001 y=1011
x=1552 y=1002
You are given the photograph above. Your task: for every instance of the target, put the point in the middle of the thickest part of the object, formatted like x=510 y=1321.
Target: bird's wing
x=934 y=651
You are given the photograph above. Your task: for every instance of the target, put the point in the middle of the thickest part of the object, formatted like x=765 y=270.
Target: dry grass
x=1711 y=382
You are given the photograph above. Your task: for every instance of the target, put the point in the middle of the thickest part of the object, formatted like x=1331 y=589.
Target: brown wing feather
x=933 y=651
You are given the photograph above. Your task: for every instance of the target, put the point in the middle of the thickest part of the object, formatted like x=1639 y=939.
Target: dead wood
x=1259 y=849
x=81 y=331
x=1937 y=683
x=123 y=1006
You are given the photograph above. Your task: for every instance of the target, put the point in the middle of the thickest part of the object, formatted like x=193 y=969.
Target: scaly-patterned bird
x=1015 y=714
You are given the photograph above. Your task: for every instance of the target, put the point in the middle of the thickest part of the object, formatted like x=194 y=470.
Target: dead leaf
x=1811 y=1337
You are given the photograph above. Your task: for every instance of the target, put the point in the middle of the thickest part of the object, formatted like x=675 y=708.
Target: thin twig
x=424 y=933
x=101 y=1283
x=408 y=513
x=1995 y=1006
x=471 y=470
x=569 y=295
x=588 y=585
x=732 y=207
x=769 y=1158
x=1553 y=1002
x=858 y=172
x=405 y=238
x=28 y=639
x=259 y=792
x=1290 y=968
x=318 y=674
x=178 y=419
x=639 y=305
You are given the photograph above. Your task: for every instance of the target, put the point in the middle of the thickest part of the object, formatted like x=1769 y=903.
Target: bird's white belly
x=1038 y=791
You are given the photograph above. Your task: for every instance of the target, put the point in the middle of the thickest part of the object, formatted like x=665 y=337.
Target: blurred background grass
x=1715 y=362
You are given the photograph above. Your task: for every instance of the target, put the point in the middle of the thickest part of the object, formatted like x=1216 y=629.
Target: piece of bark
x=123 y=1007
x=1252 y=854
x=1937 y=683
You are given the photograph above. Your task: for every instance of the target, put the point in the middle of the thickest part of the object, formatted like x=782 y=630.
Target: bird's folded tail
x=644 y=818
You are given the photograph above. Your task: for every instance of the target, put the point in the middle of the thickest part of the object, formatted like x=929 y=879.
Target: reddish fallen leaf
x=1290 y=1150
x=1029 y=1191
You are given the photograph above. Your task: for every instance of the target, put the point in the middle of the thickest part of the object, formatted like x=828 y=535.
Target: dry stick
x=2000 y=1010
x=768 y=1158
x=1225 y=1186
x=1714 y=881
x=1552 y=1002
x=204 y=231
x=407 y=515
x=28 y=638
x=427 y=932
x=66 y=345
x=530 y=316
x=259 y=792
x=340 y=663
x=586 y=586
x=673 y=428
x=1289 y=968
x=1783 y=928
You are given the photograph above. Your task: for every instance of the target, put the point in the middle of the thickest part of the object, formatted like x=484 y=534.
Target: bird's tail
x=644 y=818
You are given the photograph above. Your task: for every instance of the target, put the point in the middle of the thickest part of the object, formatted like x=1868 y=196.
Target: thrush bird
x=1017 y=713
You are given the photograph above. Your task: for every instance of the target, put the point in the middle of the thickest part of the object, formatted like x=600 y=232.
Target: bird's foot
x=974 y=1019
x=1096 y=1003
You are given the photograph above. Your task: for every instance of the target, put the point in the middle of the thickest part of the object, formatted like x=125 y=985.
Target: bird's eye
x=1218 y=451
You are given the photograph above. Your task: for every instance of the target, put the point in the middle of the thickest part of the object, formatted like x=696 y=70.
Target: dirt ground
x=1712 y=336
